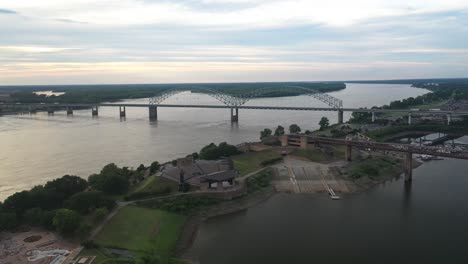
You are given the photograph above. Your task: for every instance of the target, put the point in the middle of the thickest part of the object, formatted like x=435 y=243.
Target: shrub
x=181 y=204
x=8 y=221
x=66 y=221
x=111 y=179
x=212 y=152
x=271 y=161
x=89 y=244
x=259 y=181
x=85 y=202
x=99 y=214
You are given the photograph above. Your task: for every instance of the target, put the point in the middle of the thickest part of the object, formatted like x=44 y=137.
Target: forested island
x=108 y=93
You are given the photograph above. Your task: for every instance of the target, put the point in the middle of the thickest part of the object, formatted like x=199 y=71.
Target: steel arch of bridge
x=226 y=99
x=241 y=99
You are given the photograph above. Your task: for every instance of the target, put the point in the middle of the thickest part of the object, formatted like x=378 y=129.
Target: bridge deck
x=292 y=108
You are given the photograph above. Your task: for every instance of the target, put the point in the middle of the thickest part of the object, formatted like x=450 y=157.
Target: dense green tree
x=141 y=167
x=84 y=229
x=154 y=167
x=47 y=219
x=324 y=123
x=33 y=216
x=212 y=152
x=85 y=202
x=111 y=180
x=66 y=221
x=48 y=197
x=279 y=131
x=265 y=133
x=99 y=214
x=8 y=221
x=360 y=118
x=67 y=185
x=294 y=129
x=19 y=202
x=226 y=150
x=209 y=152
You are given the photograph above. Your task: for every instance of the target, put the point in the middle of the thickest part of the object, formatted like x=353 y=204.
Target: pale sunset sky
x=172 y=41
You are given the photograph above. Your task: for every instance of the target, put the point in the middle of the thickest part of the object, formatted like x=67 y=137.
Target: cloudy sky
x=167 y=41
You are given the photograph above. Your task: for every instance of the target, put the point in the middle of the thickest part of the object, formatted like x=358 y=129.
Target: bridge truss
x=241 y=99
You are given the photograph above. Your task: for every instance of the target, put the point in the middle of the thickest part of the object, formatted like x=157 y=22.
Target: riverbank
x=191 y=227
x=334 y=177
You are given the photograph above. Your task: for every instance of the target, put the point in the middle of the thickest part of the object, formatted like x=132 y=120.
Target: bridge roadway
x=293 y=108
x=304 y=141
x=153 y=109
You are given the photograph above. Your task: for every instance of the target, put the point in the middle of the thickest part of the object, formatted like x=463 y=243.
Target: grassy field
x=375 y=168
x=317 y=155
x=102 y=258
x=249 y=162
x=142 y=230
x=155 y=184
x=311 y=154
x=433 y=105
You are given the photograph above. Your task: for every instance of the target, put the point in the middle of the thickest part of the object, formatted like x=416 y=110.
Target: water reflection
x=422 y=222
x=406 y=198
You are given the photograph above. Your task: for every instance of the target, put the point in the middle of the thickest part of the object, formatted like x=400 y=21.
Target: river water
x=36 y=148
x=425 y=222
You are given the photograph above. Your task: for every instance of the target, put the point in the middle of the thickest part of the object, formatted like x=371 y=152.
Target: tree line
x=106 y=93
x=324 y=123
x=66 y=204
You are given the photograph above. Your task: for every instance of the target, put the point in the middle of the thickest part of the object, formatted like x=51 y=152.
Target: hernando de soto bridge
x=234 y=102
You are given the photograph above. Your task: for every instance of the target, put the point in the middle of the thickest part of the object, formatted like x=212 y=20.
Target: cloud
x=87 y=41
x=34 y=49
x=6 y=11
x=232 y=13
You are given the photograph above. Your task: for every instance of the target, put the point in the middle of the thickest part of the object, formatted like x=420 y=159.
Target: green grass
x=387 y=133
x=102 y=258
x=142 y=230
x=314 y=154
x=432 y=105
x=154 y=184
x=249 y=162
x=311 y=154
x=259 y=181
x=374 y=168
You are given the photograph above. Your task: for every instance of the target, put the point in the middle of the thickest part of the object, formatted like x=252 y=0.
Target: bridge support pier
x=234 y=116
x=409 y=167
x=153 y=113
x=303 y=142
x=373 y=117
x=69 y=111
x=449 y=119
x=340 y=117
x=284 y=140
x=409 y=119
x=122 y=111
x=348 y=153
x=94 y=111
